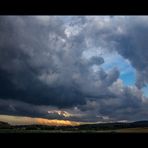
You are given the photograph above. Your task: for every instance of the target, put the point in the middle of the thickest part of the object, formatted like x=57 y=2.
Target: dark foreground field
x=126 y=130
x=135 y=127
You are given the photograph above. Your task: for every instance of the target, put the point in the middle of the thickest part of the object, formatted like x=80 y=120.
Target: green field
x=126 y=130
x=134 y=127
x=134 y=130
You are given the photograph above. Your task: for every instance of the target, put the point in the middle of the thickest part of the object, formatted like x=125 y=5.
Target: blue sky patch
x=127 y=72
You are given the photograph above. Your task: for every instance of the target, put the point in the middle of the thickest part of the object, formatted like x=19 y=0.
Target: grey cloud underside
x=13 y=107
x=42 y=64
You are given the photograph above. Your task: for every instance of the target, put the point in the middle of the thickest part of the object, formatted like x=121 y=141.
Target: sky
x=74 y=68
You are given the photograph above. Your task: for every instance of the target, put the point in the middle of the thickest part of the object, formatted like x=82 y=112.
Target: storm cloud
x=55 y=62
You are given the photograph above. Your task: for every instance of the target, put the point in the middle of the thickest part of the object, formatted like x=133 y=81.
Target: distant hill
x=140 y=123
x=116 y=125
x=4 y=125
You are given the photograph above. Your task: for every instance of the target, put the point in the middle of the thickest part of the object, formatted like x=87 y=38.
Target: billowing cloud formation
x=59 y=113
x=44 y=66
x=55 y=62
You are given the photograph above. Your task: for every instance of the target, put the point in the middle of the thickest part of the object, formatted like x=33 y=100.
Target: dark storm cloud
x=27 y=53
x=42 y=64
x=19 y=63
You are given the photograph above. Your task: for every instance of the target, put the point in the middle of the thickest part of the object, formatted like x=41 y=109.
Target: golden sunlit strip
x=19 y=120
x=56 y=122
